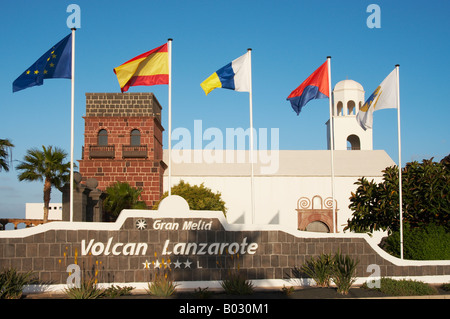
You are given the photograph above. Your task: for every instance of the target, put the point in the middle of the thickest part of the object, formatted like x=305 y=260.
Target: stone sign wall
x=194 y=245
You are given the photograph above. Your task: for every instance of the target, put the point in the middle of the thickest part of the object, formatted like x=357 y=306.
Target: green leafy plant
x=430 y=242
x=425 y=198
x=12 y=283
x=319 y=269
x=287 y=290
x=326 y=268
x=393 y=287
x=162 y=284
x=202 y=293
x=343 y=272
x=198 y=197
x=236 y=284
x=120 y=196
x=446 y=287
x=117 y=291
x=88 y=290
x=5 y=154
x=48 y=166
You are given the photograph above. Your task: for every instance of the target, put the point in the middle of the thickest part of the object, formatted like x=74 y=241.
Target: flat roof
x=286 y=163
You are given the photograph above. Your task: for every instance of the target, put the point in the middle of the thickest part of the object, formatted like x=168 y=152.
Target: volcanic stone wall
x=189 y=249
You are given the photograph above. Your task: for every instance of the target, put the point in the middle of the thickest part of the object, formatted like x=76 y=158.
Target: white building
x=36 y=211
x=296 y=193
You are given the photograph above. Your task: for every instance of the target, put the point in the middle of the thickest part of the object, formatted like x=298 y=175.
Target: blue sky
x=289 y=40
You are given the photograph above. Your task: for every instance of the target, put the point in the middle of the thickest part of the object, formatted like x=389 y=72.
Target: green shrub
x=236 y=284
x=12 y=283
x=120 y=196
x=324 y=268
x=404 y=287
x=198 y=197
x=202 y=293
x=161 y=286
x=445 y=287
x=116 y=291
x=430 y=242
x=425 y=200
x=88 y=290
x=343 y=272
x=319 y=269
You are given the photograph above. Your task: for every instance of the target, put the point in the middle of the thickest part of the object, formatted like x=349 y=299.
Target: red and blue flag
x=314 y=87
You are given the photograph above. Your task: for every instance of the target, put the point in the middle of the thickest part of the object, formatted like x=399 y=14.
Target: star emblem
x=177 y=264
x=156 y=264
x=187 y=264
x=146 y=264
x=141 y=224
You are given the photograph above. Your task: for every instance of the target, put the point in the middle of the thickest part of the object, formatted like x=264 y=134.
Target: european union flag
x=55 y=63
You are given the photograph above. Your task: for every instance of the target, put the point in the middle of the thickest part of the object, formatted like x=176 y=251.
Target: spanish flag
x=149 y=68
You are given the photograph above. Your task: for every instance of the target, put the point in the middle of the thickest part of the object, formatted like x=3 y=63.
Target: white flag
x=384 y=97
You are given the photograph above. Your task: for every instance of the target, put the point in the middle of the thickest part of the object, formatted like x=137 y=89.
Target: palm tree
x=4 y=146
x=46 y=165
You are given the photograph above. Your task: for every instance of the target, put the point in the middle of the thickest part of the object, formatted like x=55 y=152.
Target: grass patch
x=404 y=287
x=12 y=283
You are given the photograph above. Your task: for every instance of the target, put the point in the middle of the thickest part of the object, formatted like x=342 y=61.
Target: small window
x=340 y=109
x=351 y=108
x=102 y=138
x=135 y=137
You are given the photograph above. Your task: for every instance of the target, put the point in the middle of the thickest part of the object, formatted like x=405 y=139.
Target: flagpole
x=331 y=143
x=249 y=52
x=169 y=49
x=397 y=66
x=72 y=123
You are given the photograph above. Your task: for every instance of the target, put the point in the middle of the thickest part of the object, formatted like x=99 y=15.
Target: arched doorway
x=353 y=142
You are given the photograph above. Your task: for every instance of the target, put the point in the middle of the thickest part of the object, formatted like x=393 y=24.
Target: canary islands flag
x=234 y=76
x=55 y=63
x=314 y=87
x=149 y=68
x=384 y=97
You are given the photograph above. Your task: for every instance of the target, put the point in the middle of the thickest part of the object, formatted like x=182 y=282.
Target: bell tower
x=348 y=98
x=123 y=142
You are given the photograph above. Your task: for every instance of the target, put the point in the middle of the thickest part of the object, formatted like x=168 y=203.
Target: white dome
x=348 y=85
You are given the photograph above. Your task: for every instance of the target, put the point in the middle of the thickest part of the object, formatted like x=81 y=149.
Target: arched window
x=102 y=138
x=353 y=142
x=135 y=137
x=351 y=107
x=339 y=108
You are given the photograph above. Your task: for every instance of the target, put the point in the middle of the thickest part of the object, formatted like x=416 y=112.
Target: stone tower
x=348 y=98
x=123 y=142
